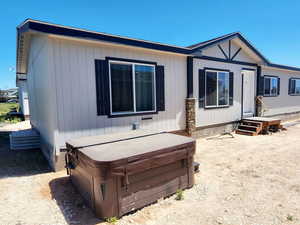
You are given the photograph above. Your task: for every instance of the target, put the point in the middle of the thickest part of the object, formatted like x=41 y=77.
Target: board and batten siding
x=205 y=117
x=284 y=103
x=215 y=51
x=73 y=68
x=41 y=93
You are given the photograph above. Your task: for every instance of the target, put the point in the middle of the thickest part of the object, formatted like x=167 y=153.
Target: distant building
x=9 y=95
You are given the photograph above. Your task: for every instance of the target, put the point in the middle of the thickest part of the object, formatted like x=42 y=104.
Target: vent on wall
x=135 y=126
x=24 y=139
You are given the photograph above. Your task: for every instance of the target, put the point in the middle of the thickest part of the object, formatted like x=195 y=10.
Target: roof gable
x=228 y=37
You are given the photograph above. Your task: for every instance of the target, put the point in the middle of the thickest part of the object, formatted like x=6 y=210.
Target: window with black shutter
x=271 y=86
x=294 y=86
x=129 y=88
x=218 y=91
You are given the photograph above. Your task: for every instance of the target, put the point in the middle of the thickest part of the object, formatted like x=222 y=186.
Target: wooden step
x=249 y=128
x=251 y=123
x=246 y=132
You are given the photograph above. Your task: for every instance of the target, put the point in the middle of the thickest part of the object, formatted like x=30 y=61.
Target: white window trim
x=294 y=93
x=217 y=105
x=133 y=87
x=270 y=93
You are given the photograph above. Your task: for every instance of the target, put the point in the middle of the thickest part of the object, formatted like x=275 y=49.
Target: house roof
x=203 y=43
x=39 y=26
x=30 y=26
x=209 y=43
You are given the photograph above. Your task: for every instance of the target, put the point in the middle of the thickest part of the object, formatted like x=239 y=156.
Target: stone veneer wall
x=259 y=106
x=190 y=116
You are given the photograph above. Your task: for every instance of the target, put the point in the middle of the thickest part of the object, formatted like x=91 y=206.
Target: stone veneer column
x=259 y=106
x=190 y=115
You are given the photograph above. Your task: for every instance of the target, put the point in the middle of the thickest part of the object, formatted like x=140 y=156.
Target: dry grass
x=6 y=108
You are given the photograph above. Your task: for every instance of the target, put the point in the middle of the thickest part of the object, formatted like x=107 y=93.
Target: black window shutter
x=231 y=88
x=201 y=87
x=102 y=87
x=260 y=82
x=278 y=86
x=290 y=86
x=160 y=88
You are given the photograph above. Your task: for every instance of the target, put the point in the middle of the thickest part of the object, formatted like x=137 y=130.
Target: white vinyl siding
x=42 y=94
x=214 y=116
x=283 y=103
x=76 y=89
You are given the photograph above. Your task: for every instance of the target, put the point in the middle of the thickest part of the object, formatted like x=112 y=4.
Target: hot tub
x=120 y=173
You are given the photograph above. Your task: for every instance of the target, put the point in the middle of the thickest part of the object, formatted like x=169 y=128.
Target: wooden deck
x=258 y=125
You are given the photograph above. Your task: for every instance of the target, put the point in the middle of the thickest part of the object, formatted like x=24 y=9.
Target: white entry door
x=248 y=93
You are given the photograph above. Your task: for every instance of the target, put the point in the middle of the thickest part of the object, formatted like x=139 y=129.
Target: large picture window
x=270 y=86
x=295 y=87
x=217 y=88
x=132 y=87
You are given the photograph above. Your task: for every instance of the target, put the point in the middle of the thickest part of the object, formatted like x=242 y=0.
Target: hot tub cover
x=114 y=147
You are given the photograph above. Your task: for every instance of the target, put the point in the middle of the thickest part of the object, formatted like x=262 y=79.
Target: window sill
x=131 y=114
x=270 y=96
x=217 y=107
x=294 y=94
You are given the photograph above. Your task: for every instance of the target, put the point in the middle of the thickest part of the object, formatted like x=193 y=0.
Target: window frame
x=132 y=63
x=217 y=105
x=294 y=94
x=277 y=88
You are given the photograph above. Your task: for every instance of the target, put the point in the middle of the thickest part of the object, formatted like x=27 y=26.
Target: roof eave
x=283 y=67
x=36 y=26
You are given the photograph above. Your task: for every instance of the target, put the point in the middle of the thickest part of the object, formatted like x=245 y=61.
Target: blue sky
x=272 y=26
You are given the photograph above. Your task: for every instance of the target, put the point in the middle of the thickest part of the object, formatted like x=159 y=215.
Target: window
x=217 y=88
x=295 y=87
x=270 y=86
x=132 y=87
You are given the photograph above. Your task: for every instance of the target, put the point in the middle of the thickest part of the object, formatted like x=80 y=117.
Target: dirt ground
x=242 y=181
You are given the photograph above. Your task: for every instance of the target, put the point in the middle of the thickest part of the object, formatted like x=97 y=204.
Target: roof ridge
x=213 y=39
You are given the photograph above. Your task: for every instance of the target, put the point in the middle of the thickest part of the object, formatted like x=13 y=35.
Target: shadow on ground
x=71 y=203
x=32 y=162
x=22 y=162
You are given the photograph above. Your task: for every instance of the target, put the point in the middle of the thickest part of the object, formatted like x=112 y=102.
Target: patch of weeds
x=13 y=120
x=112 y=220
x=290 y=217
x=179 y=195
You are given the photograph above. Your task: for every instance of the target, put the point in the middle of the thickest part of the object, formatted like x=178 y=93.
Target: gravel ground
x=7 y=127
x=243 y=180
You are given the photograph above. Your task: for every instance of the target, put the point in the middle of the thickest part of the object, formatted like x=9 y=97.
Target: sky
x=271 y=26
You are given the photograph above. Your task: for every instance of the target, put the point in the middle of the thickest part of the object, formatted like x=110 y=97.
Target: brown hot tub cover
x=119 y=173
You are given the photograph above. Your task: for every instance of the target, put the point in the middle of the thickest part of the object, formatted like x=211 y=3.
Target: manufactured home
x=83 y=83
